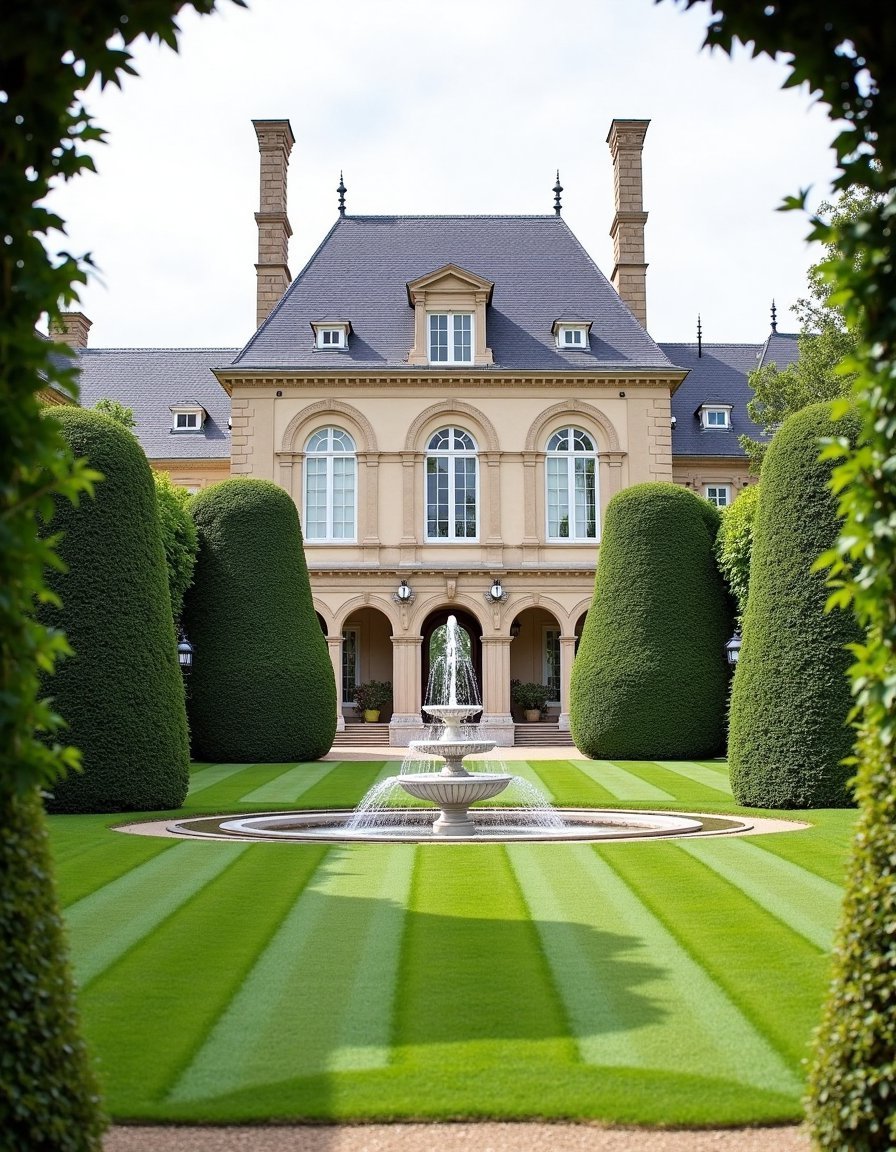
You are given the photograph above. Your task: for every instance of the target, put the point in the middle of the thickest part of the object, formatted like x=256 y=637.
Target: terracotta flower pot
x=532 y=715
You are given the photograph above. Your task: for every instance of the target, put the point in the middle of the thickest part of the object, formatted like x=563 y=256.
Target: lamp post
x=732 y=648
x=184 y=653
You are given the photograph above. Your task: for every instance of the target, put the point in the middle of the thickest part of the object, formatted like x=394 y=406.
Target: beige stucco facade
x=391 y=417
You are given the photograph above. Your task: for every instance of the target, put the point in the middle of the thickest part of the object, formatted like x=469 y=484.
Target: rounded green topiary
x=121 y=692
x=48 y=1093
x=791 y=696
x=650 y=677
x=262 y=688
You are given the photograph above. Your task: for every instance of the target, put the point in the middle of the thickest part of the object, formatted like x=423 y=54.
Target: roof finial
x=699 y=336
x=342 y=191
x=558 y=188
x=774 y=317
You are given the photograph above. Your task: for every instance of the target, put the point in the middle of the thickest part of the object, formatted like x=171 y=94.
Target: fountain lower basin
x=453 y=793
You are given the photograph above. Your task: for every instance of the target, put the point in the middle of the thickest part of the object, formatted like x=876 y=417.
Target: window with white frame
x=718 y=494
x=187 y=417
x=351 y=663
x=572 y=337
x=450 y=337
x=551 y=663
x=330 y=486
x=571 y=479
x=715 y=417
x=452 y=486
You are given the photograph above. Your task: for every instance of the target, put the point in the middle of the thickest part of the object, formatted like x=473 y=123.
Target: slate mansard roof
x=539 y=269
x=150 y=381
x=720 y=377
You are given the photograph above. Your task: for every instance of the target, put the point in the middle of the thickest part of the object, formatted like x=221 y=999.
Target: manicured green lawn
x=672 y=982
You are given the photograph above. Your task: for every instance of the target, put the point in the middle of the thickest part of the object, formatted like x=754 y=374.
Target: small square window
x=719 y=494
x=572 y=337
x=330 y=337
x=186 y=420
x=715 y=417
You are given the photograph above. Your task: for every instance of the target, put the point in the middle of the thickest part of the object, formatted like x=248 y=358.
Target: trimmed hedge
x=179 y=538
x=791 y=695
x=262 y=688
x=121 y=692
x=49 y=1100
x=650 y=679
x=734 y=545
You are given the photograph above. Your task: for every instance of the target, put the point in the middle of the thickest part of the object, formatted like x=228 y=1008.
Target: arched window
x=452 y=481
x=330 y=486
x=571 y=477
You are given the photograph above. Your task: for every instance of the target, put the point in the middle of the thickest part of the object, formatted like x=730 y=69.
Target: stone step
x=363 y=736
x=541 y=734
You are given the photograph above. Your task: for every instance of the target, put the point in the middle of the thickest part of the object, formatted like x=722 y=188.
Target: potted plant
x=371 y=697
x=531 y=697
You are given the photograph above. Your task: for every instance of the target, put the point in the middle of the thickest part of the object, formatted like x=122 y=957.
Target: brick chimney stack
x=70 y=328
x=275 y=141
x=626 y=141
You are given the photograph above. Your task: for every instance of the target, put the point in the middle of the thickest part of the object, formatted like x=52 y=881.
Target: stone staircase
x=543 y=733
x=362 y=736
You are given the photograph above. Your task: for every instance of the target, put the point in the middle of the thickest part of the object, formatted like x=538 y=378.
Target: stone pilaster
x=334 y=644
x=626 y=141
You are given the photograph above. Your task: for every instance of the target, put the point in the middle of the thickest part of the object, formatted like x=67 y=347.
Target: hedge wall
x=179 y=538
x=48 y=1091
x=262 y=688
x=121 y=693
x=650 y=678
x=791 y=695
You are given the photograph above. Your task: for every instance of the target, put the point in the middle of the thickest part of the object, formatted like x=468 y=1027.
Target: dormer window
x=715 y=417
x=571 y=334
x=187 y=417
x=331 y=335
x=450 y=337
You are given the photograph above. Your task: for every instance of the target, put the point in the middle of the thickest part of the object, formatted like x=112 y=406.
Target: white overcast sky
x=465 y=107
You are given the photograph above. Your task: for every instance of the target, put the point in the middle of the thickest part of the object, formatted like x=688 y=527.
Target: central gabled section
x=449 y=317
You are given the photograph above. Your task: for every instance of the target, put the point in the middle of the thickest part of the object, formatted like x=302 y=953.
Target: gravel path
x=453 y=1138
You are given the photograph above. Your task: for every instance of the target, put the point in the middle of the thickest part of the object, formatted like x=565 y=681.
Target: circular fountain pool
x=414 y=826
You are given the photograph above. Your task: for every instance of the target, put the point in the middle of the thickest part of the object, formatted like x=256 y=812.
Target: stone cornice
x=306 y=378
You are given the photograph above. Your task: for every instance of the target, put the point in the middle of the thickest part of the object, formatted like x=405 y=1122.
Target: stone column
x=626 y=141
x=406 y=723
x=496 y=721
x=567 y=655
x=275 y=142
x=334 y=644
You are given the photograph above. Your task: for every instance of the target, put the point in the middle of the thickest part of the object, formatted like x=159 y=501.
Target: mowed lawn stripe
x=227 y=791
x=716 y=779
x=203 y=778
x=624 y=783
x=806 y=903
x=346 y=785
x=774 y=975
x=476 y=991
x=289 y=785
x=673 y=1014
x=151 y=1011
x=102 y=858
x=320 y=996
x=98 y=930
x=567 y=782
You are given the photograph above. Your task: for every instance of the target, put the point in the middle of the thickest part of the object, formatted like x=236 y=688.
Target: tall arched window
x=452 y=481
x=571 y=476
x=330 y=486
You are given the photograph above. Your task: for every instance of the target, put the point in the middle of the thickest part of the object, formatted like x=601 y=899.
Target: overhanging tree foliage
x=49 y=53
x=845 y=50
x=790 y=698
x=650 y=678
x=262 y=687
x=734 y=545
x=179 y=538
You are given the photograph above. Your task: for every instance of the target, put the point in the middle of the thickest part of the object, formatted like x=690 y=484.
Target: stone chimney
x=626 y=141
x=70 y=328
x=275 y=141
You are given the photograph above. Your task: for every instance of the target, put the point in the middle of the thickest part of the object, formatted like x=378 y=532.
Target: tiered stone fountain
x=453 y=789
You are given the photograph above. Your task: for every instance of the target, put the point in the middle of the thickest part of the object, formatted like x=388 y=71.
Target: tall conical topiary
x=650 y=677
x=262 y=687
x=121 y=692
x=791 y=696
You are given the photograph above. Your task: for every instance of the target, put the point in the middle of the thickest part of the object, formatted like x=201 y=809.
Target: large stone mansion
x=451 y=401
